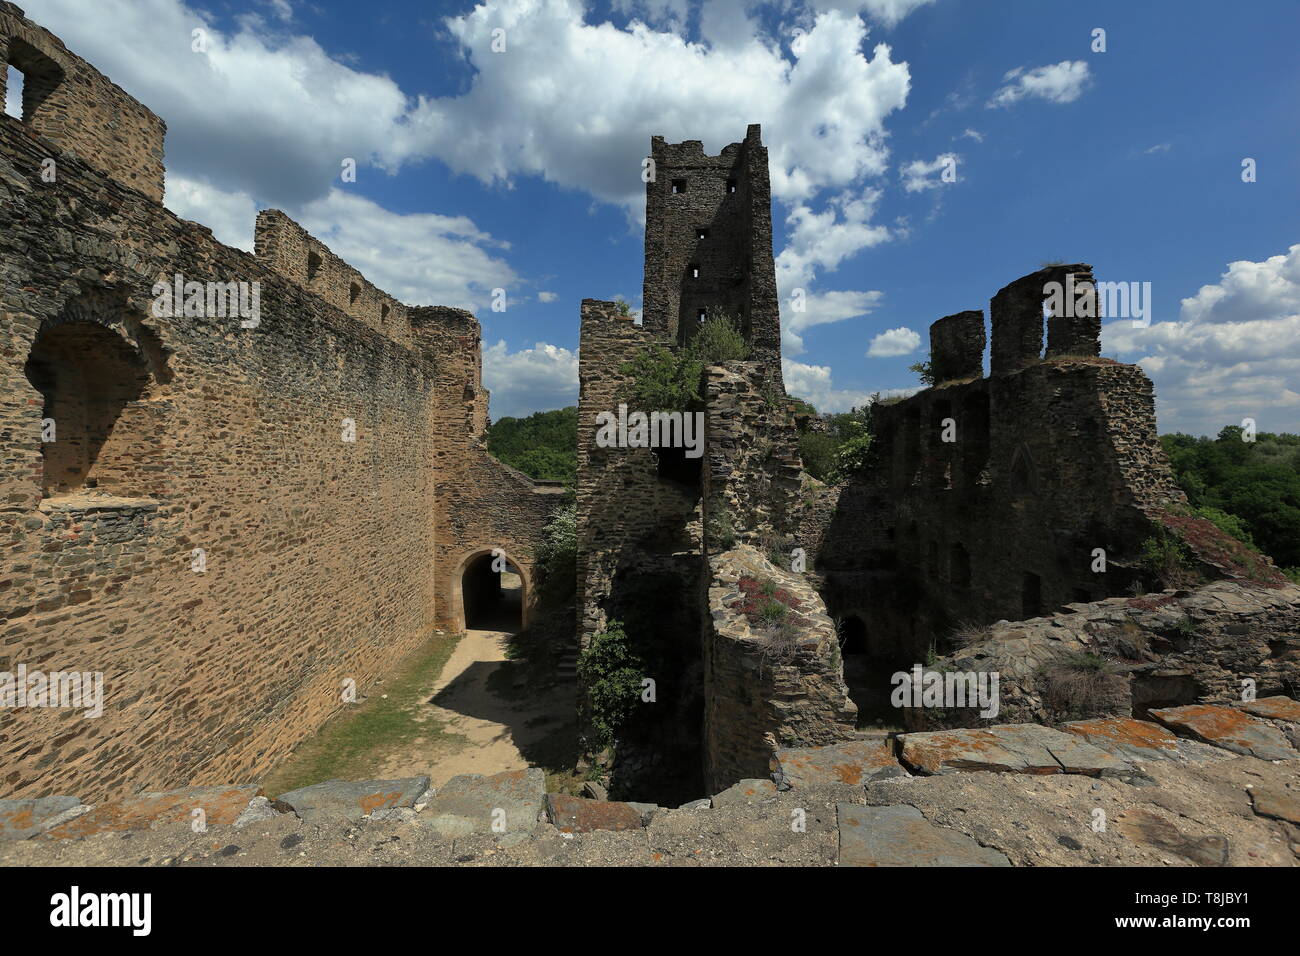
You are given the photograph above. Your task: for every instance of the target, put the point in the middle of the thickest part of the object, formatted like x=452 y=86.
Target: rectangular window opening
x=679 y=186
x=14 y=81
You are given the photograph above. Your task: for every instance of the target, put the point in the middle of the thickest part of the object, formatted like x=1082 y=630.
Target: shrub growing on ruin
x=663 y=379
x=1083 y=685
x=611 y=673
x=924 y=371
x=557 y=556
x=1165 y=558
x=718 y=340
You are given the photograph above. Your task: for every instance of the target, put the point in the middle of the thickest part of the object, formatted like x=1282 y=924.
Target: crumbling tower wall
x=708 y=242
x=1011 y=496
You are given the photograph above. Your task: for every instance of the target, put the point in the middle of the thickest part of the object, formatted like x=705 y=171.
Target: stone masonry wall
x=483 y=504
x=753 y=466
x=753 y=689
x=624 y=508
x=290 y=250
x=318 y=552
x=77 y=109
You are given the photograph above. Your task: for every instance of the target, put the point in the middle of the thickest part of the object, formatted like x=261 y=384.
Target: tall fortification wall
x=227 y=507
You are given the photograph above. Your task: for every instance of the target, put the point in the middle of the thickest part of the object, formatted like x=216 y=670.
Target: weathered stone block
x=901 y=836
x=353 y=799
x=472 y=803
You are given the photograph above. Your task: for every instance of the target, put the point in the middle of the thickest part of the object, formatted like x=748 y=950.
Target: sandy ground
x=498 y=729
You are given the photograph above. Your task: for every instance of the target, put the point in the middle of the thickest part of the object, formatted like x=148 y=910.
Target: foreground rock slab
x=1274 y=708
x=352 y=800
x=1276 y=802
x=745 y=791
x=219 y=805
x=1009 y=748
x=20 y=819
x=901 y=836
x=1141 y=740
x=473 y=803
x=855 y=762
x=1229 y=728
x=1147 y=827
x=578 y=815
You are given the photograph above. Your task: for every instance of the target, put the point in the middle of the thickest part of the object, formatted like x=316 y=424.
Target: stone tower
x=708 y=242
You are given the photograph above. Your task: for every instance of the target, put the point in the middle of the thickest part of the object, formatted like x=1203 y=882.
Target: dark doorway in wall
x=658 y=757
x=959 y=561
x=673 y=465
x=86 y=374
x=872 y=654
x=1031 y=596
x=493 y=594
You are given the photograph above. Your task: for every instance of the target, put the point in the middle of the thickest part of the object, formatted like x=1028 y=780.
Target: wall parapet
x=288 y=249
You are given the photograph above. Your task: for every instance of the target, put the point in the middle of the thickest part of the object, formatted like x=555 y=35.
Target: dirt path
x=475 y=698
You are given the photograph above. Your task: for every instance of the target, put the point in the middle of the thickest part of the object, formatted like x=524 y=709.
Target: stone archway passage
x=493 y=599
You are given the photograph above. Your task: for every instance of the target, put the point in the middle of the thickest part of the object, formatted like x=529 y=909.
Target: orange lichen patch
x=379 y=801
x=17 y=820
x=1123 y=730
x=1274 y=708
x=852 y=762
x=1229 y=728
x=220 y=805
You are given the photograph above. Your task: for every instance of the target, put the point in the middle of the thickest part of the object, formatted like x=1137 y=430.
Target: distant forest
x=542 y=446
x=1251 y=489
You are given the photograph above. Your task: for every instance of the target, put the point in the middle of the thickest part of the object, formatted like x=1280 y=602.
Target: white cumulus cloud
x=1233 y=353
x=894 y=342
x=1061 y=82
x=530 y=380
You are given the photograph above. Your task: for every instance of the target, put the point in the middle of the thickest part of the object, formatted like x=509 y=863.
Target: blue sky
x=520 y=169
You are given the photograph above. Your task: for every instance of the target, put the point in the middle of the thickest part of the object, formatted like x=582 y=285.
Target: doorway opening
x=493 y=593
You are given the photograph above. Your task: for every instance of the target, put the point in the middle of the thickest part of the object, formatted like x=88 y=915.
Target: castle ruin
x=240 y=510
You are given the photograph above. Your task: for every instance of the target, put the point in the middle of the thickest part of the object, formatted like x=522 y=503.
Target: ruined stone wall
x=77 y=109
x=708 y=242
x=229 y=559
x=754 y=687
x=287 y=248
x=753 y=474
x=1053 y=467
x=624 y=508
x=483 y=504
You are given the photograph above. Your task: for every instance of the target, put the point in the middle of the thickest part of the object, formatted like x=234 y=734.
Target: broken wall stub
x=1017 y=318
x=957 y=346
x=758 y=682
